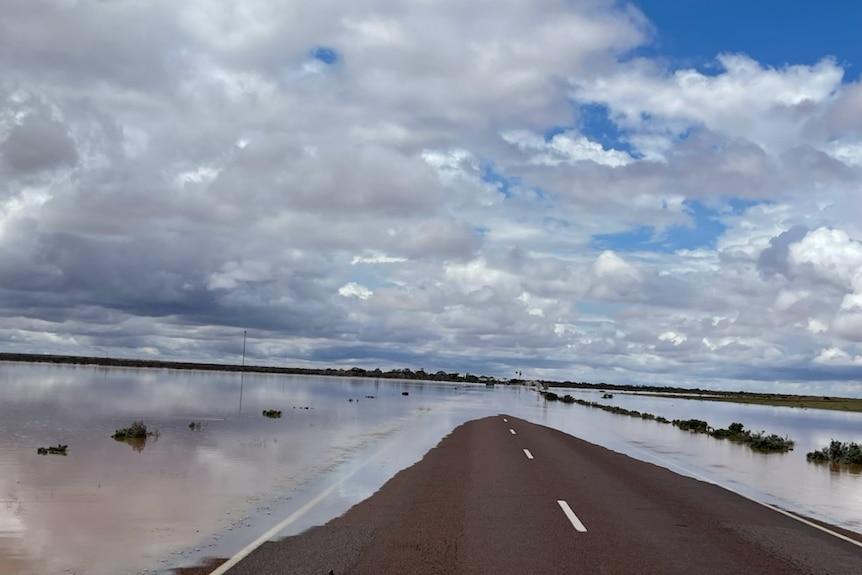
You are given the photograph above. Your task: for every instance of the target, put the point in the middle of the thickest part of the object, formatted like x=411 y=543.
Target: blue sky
x=772 y=32
x=658 y=193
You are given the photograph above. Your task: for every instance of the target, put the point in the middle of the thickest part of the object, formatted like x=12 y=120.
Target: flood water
x=109 y=507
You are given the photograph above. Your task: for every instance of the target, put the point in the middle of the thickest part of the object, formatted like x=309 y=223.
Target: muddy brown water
x=109 y=507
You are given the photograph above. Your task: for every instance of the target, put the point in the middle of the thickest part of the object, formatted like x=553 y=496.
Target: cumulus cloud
x=565 y=148
x=766 y=106
x=831 y=254
x=614 y=279
x=403 y=184
x=353 y=289
x=837 y=356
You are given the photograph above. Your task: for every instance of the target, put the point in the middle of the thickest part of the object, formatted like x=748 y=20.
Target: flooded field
x=208 y=489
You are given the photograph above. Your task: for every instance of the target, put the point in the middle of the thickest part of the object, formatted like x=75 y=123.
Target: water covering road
x=110 y=508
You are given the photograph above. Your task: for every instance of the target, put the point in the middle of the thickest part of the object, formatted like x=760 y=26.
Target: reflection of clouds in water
x=226 y=476
x=10 y=510
x=119 y=390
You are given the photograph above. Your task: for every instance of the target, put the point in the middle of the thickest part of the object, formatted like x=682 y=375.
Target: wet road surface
x=504 y=496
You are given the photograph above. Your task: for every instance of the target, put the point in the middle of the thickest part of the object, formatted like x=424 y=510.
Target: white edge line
x=512 y=431
x=576 y=523
x=807 y=522
x=528 y=454
x=784 y=512
x=246 y=551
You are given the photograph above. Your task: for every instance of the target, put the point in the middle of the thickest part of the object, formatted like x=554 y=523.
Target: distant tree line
x=404 y=373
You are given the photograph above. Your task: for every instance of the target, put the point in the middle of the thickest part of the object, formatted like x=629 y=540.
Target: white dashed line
x=528 y=454
x=512 y=431
x=576 y=523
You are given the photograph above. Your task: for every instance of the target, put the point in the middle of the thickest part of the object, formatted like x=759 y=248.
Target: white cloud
x=565 y=147
x=615 y=279
x=832 y=255
x=353 y=289
x=377 y=258
x=836 y=356
x=172 y=170
x=849 y=152
x=744 y=99
x=673 y=337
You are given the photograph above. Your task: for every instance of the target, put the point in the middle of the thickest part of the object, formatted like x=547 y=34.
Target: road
x=504 y=496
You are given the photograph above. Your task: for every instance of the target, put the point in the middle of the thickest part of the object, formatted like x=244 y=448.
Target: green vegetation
x=272 y=413
x=735 y=431
x=136 y=435
x=772 y=442
x=137 y=431
x=838 y=452
x=607 y=395
x=58 y=450
x=695 y=425
x=757 y=441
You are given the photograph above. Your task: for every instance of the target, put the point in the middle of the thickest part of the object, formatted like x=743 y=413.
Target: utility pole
x=242 y=372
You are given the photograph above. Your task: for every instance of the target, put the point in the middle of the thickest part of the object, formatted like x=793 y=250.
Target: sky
x=655 y=192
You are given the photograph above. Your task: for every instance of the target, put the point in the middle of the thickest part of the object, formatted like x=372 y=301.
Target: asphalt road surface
x=503 y=496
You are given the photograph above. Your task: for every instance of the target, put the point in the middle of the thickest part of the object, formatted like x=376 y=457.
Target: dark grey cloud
x=38 y=143
x=173 y=174
x=774 y=259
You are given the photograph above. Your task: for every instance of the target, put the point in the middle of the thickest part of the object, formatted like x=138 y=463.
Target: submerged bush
x=735 y=431
x=757 y=441
x=58 y=450
x=272 y=413
x=696 y=425
x=137 y=431
x=772 y=442
x=736 y=428
x=838 y=452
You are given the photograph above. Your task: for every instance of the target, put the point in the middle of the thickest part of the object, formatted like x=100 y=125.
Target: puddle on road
x=109 y=508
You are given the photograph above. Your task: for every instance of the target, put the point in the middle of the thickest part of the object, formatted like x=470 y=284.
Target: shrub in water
x=58 y=450
x=762 y=442
x=137 y=431
x=838 y=452
x=695 y=425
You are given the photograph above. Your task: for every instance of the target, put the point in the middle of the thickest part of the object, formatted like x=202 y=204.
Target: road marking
x=246 y=551
x=528 y=454
x=685 y=471
x=512 y=431
x=576 y=523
